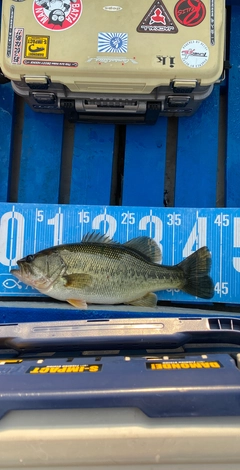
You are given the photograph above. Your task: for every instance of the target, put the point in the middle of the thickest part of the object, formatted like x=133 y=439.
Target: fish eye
x=29 y=258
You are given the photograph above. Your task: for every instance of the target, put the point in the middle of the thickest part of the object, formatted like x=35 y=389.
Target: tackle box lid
x=96 y=48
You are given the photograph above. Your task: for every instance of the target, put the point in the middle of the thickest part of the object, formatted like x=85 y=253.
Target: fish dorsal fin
x=96 y=237
x=146 y=246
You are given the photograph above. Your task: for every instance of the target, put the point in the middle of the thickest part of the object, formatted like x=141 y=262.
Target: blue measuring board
x=28 y=228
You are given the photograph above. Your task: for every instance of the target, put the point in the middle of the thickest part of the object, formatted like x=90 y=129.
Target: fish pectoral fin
x=78 y=303
x=78 y=280
x=148 y=300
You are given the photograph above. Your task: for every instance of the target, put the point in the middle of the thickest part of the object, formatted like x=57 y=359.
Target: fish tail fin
x=196 y=268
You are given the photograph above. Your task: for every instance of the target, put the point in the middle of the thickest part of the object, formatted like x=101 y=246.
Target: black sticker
x=169 y=61
x=10 y=31
x=157 y=20
x=65 y=369
x=212 y=22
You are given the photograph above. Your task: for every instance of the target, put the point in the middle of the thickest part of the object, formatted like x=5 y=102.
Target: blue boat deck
x=184 y=163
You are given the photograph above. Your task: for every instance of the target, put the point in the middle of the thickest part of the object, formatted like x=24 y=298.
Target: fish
x=99 y=270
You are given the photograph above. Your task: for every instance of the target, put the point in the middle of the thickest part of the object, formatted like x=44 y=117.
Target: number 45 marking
x=221 y=288
x=222 y=219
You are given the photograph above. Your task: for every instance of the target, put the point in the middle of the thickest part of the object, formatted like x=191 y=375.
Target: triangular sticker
x=157 y=20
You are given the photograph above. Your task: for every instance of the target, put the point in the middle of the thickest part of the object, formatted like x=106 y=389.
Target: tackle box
x=94 y=61
x=122 y=387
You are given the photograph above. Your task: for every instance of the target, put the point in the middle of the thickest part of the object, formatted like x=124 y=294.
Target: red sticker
x=190 y=12
x=57 y=15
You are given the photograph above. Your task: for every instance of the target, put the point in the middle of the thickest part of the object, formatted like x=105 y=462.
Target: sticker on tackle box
x=17 y=46
x=190 y=13
x=194 y=53
x=36 y=46
x=57 y=15
x=157 y=20
x=10 y=31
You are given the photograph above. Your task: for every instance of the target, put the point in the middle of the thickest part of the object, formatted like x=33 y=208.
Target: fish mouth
x=27 y=275
x=16 y=273
x=23 y=273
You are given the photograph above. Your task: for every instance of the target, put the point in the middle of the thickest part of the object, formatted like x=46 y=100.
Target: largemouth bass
x=101 y=271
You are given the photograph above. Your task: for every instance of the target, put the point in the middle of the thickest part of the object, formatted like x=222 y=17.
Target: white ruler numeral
x=198 y=235
x=57 y=222
x=109 y=224
x=12 y=238
x=155 y=226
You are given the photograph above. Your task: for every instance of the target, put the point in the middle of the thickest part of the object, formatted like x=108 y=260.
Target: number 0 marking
x=11 y=240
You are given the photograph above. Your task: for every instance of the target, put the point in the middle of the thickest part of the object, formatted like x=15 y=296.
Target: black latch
x=152 y=112
x=38 y=86
x=227 y=65
x=67 y=104
x=178 y=101
x=182 y=90
x=45 y=98
x=68 y=107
